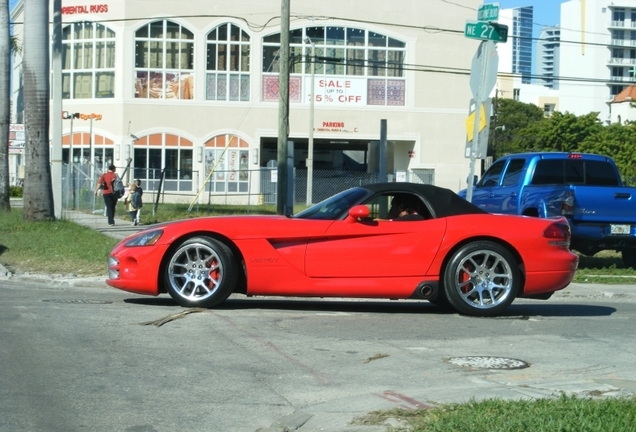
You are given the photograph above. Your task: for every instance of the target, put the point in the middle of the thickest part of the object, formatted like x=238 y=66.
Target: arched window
x=226 y=164
x=164 y=61
x=88 y=61
x=373 y=62
x=82 y=143
x=228 y=64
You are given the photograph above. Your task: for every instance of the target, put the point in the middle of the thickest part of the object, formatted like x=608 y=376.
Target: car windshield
x=335 y=207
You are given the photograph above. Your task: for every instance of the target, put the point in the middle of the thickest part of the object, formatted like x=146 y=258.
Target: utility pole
x=310 y=146
x=283 y=111
x=56 y=93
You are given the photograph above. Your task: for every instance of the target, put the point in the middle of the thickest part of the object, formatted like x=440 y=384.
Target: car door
x=483 y=191
x=498 y=190
x=375 y=248
x=505 y=198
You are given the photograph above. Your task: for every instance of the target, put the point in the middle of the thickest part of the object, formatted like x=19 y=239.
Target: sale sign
x=336 y=91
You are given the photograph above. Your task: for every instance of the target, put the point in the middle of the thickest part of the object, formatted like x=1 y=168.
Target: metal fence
x=244 y=188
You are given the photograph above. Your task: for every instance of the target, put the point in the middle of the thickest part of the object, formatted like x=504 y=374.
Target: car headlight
x=148 y=238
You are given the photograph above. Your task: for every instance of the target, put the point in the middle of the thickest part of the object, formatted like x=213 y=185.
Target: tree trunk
x=38 y=192
x=5 y=102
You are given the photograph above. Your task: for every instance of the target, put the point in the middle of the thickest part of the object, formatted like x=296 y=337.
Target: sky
x=545 y=12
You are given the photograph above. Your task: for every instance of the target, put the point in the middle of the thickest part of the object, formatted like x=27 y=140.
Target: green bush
x=15 y=191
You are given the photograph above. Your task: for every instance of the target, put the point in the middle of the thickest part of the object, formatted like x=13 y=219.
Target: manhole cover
x=481 y=362
x=77 y=301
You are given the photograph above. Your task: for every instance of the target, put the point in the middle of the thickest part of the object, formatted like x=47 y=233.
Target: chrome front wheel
x=201 y=272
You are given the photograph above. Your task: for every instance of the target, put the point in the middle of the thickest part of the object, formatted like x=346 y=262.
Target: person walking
x=130 y=208
x=133 y=201
x=105 y=184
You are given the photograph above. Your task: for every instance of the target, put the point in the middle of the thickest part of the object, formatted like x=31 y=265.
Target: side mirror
x=358 y=212
x=475 y=180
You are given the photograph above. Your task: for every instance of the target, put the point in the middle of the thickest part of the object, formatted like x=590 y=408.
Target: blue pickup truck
x=585 y=188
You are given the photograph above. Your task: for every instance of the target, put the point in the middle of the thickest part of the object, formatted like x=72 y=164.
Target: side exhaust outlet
x=426 y=291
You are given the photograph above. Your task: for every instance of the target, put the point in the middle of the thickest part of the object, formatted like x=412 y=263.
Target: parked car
x=456 y=253
x=585 y=188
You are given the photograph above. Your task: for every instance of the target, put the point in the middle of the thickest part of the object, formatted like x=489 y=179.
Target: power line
x=410 y=67
x=260 y=27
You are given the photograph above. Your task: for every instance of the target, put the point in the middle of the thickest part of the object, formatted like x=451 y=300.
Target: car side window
x=492 y=175
x=380 y=206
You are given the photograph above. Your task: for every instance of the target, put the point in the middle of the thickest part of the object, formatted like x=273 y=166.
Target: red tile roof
x=627 y=95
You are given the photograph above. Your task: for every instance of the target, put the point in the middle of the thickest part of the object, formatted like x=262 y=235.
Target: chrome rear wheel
x=482 y=279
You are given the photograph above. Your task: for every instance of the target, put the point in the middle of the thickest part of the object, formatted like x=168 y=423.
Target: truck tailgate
x=605 y=204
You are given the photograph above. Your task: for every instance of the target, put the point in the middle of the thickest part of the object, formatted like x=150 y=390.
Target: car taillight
x=558 y=234
x=567 y=206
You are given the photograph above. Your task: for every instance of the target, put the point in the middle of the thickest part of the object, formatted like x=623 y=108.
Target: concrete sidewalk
x=97 y=221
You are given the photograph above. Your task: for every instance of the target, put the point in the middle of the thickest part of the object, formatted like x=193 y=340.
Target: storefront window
x=168 y=154
x=88 y=61
x=226 y=159
x=164 y=61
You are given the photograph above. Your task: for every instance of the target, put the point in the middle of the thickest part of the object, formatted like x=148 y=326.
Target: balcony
x=621 y=79
x=623 y=42
x=622 y=61
x=617 y=24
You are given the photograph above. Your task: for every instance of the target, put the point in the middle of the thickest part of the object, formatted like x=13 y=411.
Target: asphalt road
x=76 y=355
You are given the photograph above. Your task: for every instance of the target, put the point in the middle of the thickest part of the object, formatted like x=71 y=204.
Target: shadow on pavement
x=406 y=307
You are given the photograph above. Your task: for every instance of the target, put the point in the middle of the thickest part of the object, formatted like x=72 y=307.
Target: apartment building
x=599 y=59
x=548 y=52
x=515 y=56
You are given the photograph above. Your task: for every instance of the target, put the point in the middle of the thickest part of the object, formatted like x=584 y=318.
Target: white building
x=193 y=87
x=599 y=60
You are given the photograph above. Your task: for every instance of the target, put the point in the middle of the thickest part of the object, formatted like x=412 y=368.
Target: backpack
x=135 y=200
x=117 y=187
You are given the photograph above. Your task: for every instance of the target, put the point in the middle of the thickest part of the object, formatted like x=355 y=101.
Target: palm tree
x=5 y=102
x=38 y=192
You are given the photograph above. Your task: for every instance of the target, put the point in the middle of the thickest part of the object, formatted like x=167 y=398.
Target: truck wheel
x=481 y=279
x=629 y=258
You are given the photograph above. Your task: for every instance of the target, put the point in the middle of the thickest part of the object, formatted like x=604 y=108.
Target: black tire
x=200 y=272
x=629 y=258
x=481 y=279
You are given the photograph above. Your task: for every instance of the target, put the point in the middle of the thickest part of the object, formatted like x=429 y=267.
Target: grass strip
x=562 y=414
x=58 y=247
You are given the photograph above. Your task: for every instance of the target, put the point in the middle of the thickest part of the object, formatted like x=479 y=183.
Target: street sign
x=470 y=122
x=488 y=12
x=483 y=71
x=486 y=31
x=477 y=142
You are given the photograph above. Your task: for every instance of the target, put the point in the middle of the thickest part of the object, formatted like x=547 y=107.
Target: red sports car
x=354 y=244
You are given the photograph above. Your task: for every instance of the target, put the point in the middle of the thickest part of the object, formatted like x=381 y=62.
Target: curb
x=4 y=273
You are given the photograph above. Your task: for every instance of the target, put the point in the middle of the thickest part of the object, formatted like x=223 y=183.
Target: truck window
x=492 y=175
x=569 y=171
x=574 y=171
x=513 y=172
x=599 y=173
x=548 y=171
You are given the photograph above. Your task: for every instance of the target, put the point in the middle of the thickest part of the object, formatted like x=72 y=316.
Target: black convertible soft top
x=443 y=202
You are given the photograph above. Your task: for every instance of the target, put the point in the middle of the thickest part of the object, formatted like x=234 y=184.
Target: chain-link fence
x=240 y=188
